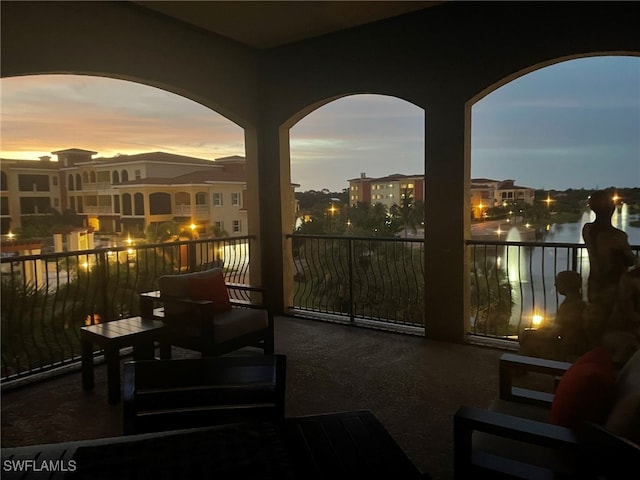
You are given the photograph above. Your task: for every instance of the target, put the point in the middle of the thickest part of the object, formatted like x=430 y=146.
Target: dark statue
x=613 y=293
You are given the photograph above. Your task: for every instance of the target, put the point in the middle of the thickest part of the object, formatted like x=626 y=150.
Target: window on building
x=127 y=208
x=137 y=174
x=33 y=183
x=34 y=205
x=201 y=198
x=138 y=204
x=219 y=225
x=159 y=203
x=56 y=202
x=217 y=199
x=54 y=181
x=237 y=226
x=235 y=199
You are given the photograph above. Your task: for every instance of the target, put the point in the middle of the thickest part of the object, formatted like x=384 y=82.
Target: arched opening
x=359 y=164
x=127 y=208
x=541 y=143
x=160 y=203
x=138 y=204
x=184 y=138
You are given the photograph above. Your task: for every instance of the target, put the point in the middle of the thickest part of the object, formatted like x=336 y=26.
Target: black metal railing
x=47 y=298
x=362 y=280
x=358 y=279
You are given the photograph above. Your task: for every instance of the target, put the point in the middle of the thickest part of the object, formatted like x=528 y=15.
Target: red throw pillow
x=585 y=391
x=211 y=288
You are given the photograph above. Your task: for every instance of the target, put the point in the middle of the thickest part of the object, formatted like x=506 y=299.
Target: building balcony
x=98 y=210
x=199 y=212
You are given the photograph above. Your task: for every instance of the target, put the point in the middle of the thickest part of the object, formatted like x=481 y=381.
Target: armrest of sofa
x=469 y=462
x=149 y=309
x=244 y=297
x=513 y=364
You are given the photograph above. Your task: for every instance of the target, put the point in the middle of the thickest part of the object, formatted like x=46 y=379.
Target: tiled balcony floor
x=413 y=385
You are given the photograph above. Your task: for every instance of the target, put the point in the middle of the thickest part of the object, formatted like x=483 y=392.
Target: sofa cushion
x=624 y=418
x=628 y=382
x=238 y=321
x=178 y=286
x=210 y=288
x=585 y=391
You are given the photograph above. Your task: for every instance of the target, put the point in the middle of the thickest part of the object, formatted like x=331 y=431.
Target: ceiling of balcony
x=266 y=24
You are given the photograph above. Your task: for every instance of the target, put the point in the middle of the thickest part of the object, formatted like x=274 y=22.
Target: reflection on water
x=531 y=271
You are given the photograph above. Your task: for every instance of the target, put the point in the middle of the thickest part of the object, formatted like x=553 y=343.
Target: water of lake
x=532 y=271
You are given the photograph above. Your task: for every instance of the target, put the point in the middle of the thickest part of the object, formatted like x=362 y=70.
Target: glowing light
x=130 y=251
x=10 y=235
x=536 y=320
x=85 y=265
x=192 y=226
x=129 y=241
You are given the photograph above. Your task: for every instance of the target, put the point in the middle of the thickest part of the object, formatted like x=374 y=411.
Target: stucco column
x=446 y=221
x=269 y=146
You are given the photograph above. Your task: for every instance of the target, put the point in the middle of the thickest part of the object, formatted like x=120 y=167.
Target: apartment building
x=486 y=193
x=27 y=189
x=388 y=190
x=125 y=193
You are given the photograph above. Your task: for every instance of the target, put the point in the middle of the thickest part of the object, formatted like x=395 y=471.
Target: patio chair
x=201 y=316
x=587 y=428
x=174 y=394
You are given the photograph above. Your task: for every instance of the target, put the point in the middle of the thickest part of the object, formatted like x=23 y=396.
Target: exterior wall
x=15 y=195
x=101 y=201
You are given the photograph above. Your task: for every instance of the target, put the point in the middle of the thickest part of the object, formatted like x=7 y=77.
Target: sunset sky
x=571 y=125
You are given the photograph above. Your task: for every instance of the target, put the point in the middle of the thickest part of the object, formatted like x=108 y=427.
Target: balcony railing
x=47 y=298
x=376 y=282
x=513 y=283
x=381 y=280
x=360 y=280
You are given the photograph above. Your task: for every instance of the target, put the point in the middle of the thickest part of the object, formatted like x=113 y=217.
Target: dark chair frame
x=597 y=452
x=175 y=394
x=201 y=317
